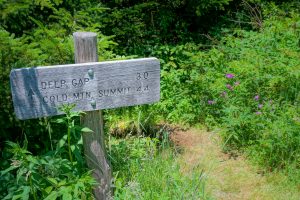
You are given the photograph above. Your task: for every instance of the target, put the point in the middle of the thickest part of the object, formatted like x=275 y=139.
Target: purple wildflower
x=223 y=94
x=229 y=87
x=258 y=113
x=210 y=102
x=260 y=106
x=229 y=76
x=256 y=98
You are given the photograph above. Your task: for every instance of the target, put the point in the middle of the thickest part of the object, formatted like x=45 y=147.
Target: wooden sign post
x=92 y=86
x=94 y=147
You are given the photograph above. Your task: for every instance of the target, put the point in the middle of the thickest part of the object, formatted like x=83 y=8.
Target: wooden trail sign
x=39 y=91
x=92 y=86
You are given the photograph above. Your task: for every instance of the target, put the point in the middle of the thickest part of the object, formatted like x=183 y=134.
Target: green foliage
x=52 y=175
x=145 y=174
x=263 y=92
x=49 y=42
x=248 y=84
x=181 y=83
x=247 y=81
x=253 y=104
x=34 y=177
x=278 y=147
x=138 y=120
x=69 y=14
x=138 y=25
x=126 y=155
x=203 y=6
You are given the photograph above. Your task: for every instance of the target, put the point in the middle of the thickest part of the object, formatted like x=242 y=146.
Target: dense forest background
x=225 y=63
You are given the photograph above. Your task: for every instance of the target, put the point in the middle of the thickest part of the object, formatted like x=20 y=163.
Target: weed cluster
x=60 y=172
x=146 y=168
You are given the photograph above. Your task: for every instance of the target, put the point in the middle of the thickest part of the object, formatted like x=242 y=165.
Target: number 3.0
x=142 y=75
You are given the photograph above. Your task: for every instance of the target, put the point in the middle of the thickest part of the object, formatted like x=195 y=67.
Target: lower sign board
x=39 y=91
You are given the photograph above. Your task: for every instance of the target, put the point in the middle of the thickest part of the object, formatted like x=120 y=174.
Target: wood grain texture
x=93 y=143
x=39 y=91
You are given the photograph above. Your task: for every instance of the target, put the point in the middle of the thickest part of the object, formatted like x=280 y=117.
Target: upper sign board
x=40 y=91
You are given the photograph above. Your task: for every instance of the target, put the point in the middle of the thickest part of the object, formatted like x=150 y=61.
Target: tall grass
x=157 y=176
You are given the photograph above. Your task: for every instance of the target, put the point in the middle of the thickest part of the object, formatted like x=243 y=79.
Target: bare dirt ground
x=228 y=177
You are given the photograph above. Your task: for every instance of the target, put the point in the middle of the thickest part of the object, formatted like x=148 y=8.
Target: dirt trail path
x=228 y=178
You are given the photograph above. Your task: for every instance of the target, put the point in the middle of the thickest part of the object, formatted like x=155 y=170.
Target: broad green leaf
x=25 y=193
x=8 y=170
x=19 y=196
x=66 y=195
x=60 y=120
x=86 y=130
x=52 y=196
x=80 y=141
x=62 y=141
x=52 y=180
x=32 y=160
x=48 y=189
x=21 y=172
x=8 y=197
x=61 y=183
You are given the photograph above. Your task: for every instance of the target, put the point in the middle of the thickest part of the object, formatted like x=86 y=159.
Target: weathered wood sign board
x=39 y=91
